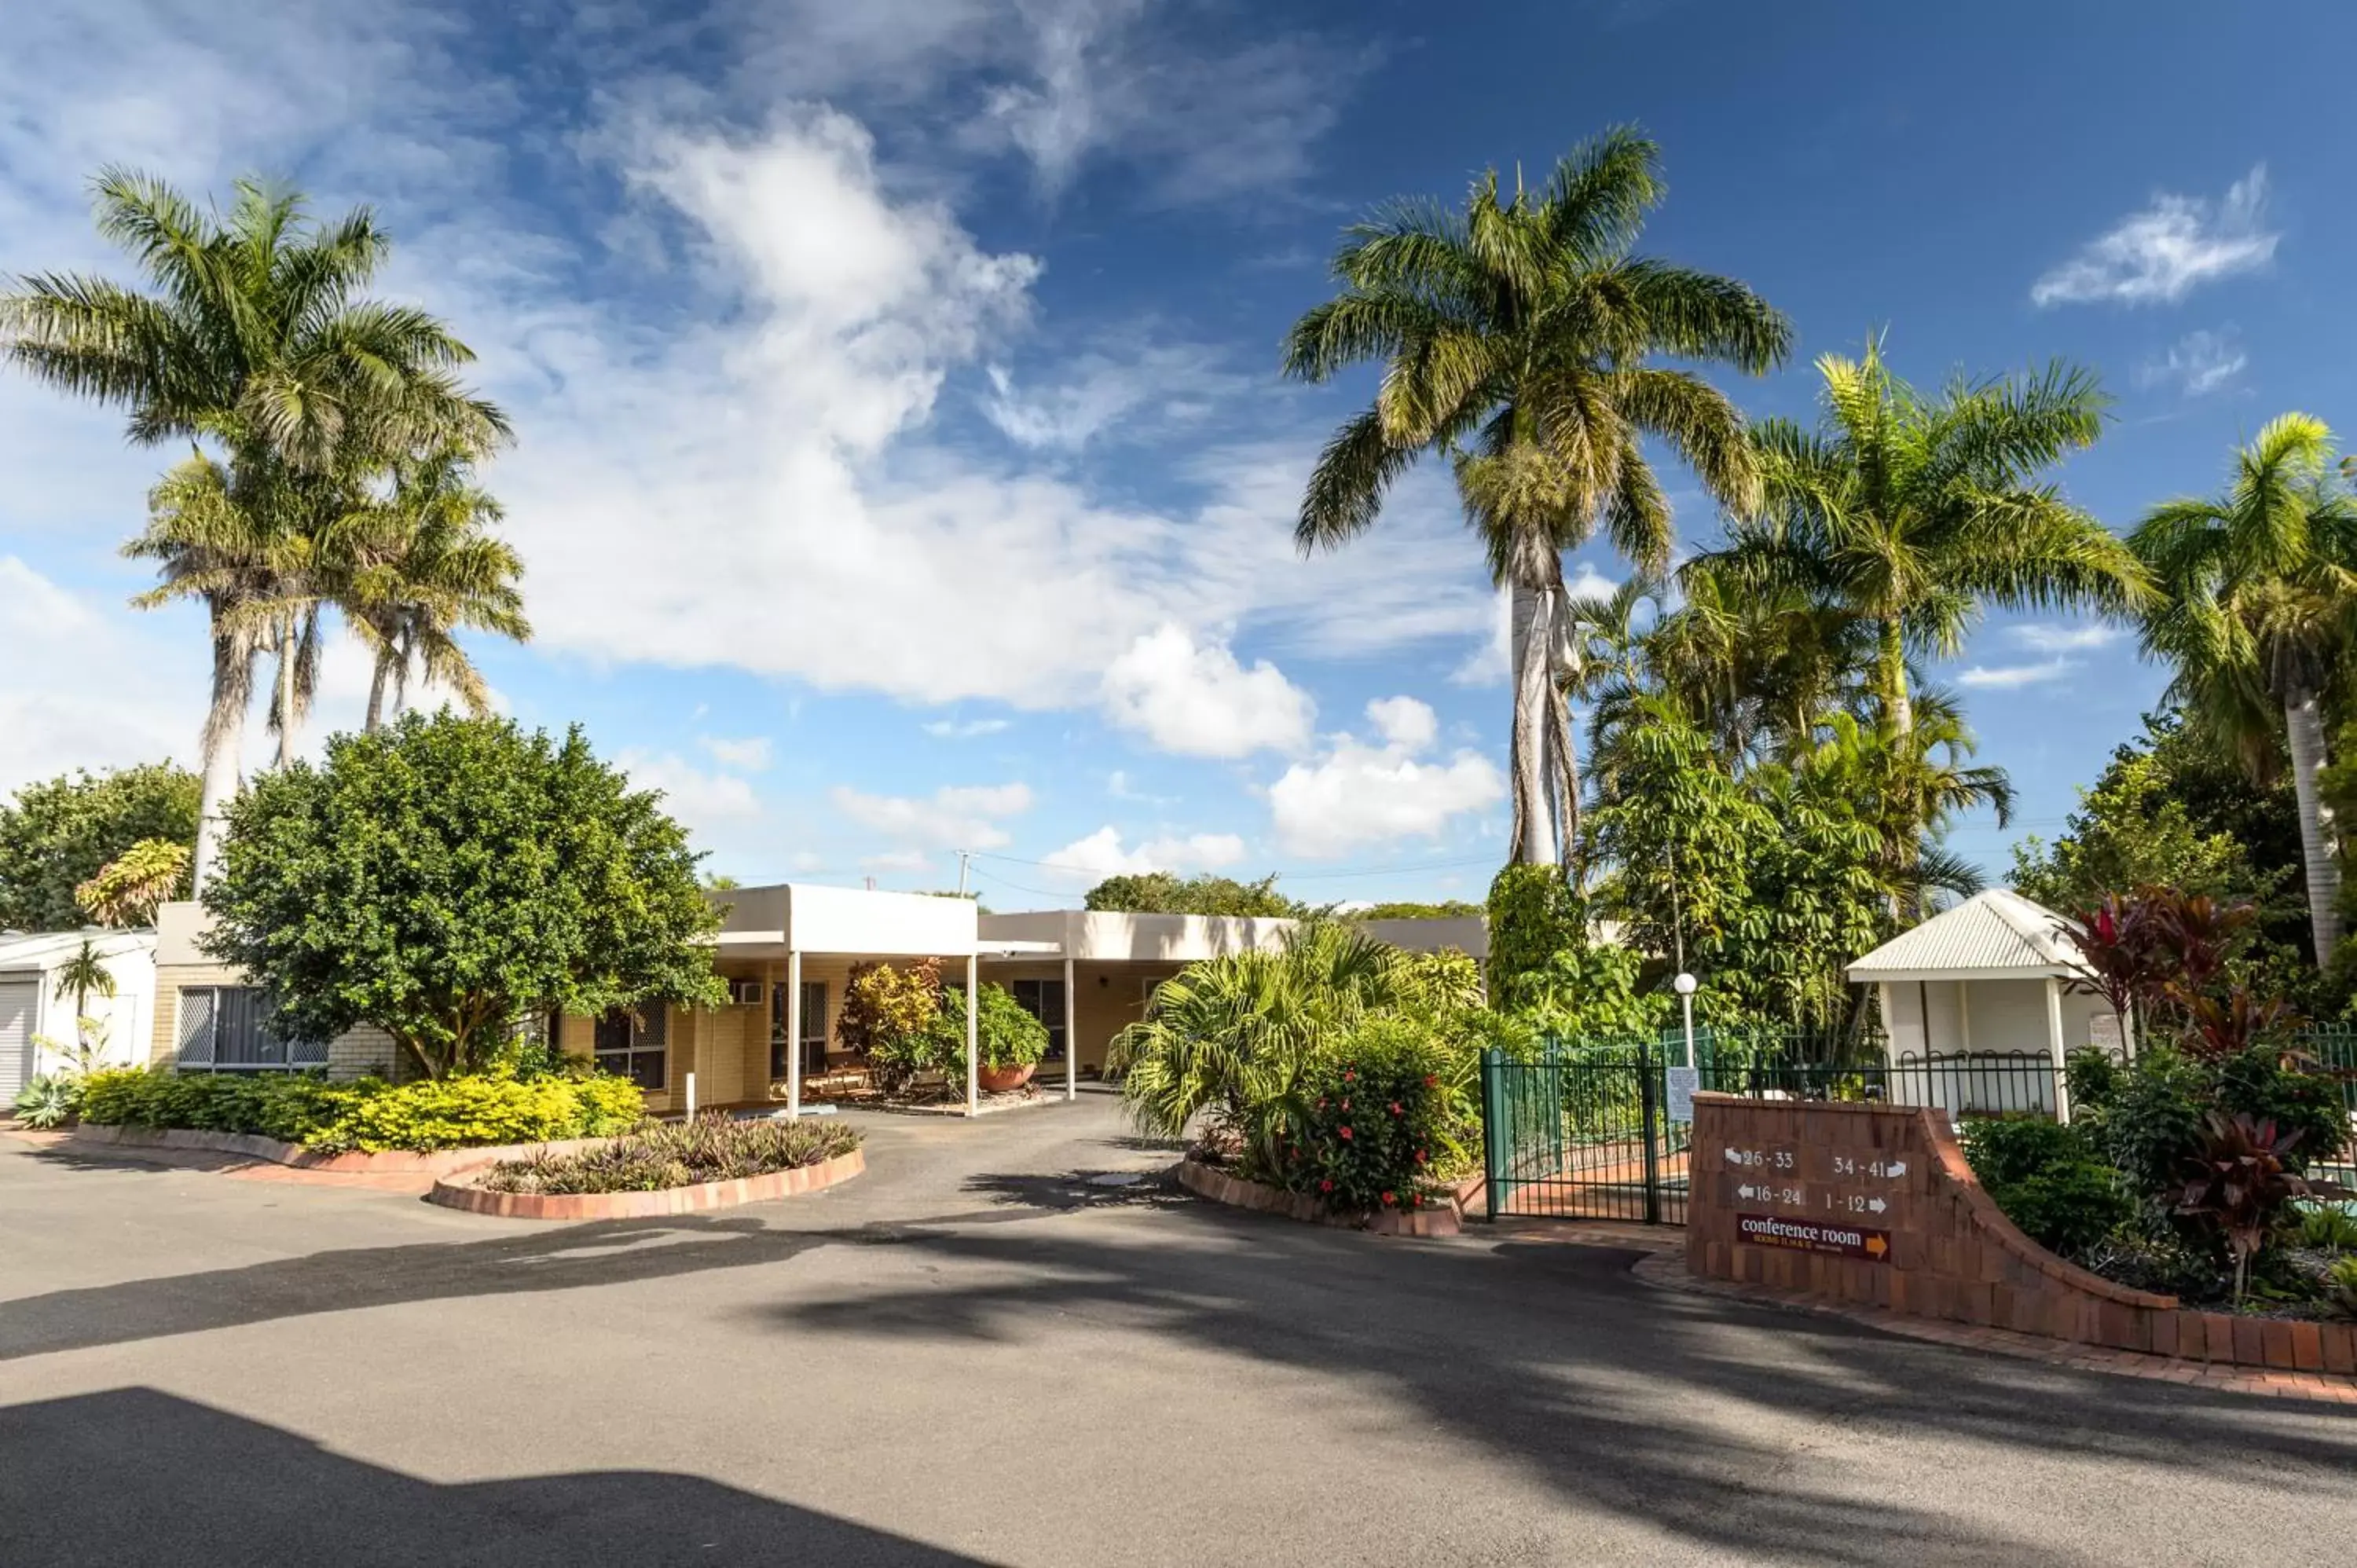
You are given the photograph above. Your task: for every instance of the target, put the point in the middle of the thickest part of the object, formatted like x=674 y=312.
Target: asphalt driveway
x=975 y=1354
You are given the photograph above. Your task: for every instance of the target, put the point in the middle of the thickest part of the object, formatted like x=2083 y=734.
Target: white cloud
x=750 y=755
x=952 y=817
x=964 y=729
x=2009 y=677
x=1358 y=794
x=2159 y=255
x=1100 y=854
x=2197 y=363
x=1152 y=387
x=1200 y=701
x=2047 y=638
x=696 y=797
x=901 y=860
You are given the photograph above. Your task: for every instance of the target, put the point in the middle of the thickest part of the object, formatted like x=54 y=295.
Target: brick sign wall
x=1876 y=1203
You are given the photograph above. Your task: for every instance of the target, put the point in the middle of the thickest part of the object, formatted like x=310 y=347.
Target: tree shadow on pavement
x=1637 y=1400
x=135 y=1476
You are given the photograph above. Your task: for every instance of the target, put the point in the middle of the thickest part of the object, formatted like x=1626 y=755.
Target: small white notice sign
x=2103 y=1032
x=1680 y=1084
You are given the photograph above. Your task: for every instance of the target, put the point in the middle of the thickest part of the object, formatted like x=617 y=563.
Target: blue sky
x=902 y=464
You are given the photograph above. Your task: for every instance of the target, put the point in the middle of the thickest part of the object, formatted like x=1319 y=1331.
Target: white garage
x=31 y=1011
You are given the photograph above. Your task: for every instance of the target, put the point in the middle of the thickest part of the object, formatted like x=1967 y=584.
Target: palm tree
x=429 y=567
x=2258 y=613
x=1515 y=338
x=83 y=975
x=254 y=337
x=1912 y=514
x=127 y=889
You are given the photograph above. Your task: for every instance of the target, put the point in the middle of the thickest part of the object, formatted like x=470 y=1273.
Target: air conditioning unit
x=745 y=992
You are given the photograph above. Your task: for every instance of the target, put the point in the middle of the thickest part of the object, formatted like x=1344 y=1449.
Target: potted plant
x=1009 y=1041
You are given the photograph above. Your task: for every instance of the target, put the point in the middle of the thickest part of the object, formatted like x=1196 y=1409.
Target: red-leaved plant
x=2242 y=1182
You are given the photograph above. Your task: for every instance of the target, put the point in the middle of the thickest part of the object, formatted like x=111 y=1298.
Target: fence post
x=1651 y=1103
x=1490 y=1059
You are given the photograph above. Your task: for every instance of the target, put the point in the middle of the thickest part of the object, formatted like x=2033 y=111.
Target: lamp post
x=1686 y=985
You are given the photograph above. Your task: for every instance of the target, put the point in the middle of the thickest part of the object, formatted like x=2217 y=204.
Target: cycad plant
x=252 y=339
x=1517 y=338
x=2258 y=616
x=1230 y=1038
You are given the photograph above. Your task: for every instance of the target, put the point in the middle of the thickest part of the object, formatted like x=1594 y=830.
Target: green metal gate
x=1584 y=1135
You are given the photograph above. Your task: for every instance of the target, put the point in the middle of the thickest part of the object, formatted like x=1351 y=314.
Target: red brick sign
x=1812 y=1236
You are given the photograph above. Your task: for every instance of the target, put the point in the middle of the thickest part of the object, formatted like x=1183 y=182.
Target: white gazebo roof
x=1996 y=935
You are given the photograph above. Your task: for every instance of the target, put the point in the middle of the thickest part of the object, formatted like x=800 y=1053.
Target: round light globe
x=1686 y=984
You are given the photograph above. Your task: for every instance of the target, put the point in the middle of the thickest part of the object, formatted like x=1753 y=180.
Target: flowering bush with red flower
x=1383 y=1121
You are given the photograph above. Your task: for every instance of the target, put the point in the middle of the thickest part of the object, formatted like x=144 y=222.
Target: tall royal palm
x=428 y=567
x=254 y=341
x=1913 y=514
x=1516 y=337
x=2258 y=613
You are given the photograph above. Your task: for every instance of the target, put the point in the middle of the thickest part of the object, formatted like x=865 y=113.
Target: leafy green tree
x=1407 y=909
x=1517 y=339
x=446 y=878
x=1165 y=893
x=1535 y=915
x=61 y=832
x=254 y=340
x=2258 y=617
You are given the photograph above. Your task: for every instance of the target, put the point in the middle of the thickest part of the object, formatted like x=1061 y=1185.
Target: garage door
x=17 y=999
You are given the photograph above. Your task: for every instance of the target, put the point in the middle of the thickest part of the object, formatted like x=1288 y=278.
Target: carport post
x=793 y=1033
x=2054 y=1044
x=1071 y=1039
x=972 y=1034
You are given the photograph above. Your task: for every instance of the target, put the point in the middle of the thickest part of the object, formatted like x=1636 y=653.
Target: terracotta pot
x=999 y=1079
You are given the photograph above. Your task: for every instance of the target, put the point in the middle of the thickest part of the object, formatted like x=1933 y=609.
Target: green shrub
x=2259 y=1083
x=888 y=1016
x=2049 y=1180
x=48 y=1101
x=368 y=1116
x=1386 y=1114
x=2329 y=1227
x=2150 y=1123
x=2340 y=1288
x=712 y=1147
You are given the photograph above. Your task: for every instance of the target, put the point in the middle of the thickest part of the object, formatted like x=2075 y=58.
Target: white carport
x=31 y=1010
x=790 y=920
x=1988 y=976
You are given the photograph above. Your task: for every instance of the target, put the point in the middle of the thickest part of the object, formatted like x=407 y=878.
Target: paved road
x=972 y=1356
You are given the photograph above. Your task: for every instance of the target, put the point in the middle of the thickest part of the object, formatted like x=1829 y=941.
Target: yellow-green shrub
x=368 y=1116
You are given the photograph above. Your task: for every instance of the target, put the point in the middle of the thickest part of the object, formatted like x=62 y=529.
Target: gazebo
x=1990 y=976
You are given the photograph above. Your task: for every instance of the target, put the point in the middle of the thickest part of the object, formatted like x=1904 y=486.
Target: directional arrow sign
x=1876 y=1246
x=1877 y=1205
x=1896 y=1167
x=1747 y=1192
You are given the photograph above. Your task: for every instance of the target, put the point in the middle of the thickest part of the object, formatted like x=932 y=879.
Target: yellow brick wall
x=356 y=1053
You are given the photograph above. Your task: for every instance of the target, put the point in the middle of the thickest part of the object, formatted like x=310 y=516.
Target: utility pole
x=966 y=859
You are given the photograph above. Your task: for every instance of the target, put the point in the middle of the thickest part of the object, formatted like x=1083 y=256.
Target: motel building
x=786 y=952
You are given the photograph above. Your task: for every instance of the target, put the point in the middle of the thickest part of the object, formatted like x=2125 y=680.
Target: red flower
x=1346 y=1132
x=1415 y=1200
x=1390 y=1199
x=1431 y=1081
x=1321 y=1102
x=1419 y=1156
x=1350 y=1075
x=1345 y=1105
x=1395 y=1110
x=1326 y=1187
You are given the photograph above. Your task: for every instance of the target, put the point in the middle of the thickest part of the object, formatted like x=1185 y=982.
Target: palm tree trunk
x=1565 y=777
x=2305 y=729
x=376 y=691
x=1898 y=710
x=1533 y=819
x=224 y=739
x=286 y=653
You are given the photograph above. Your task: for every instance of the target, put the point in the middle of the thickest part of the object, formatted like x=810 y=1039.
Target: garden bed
x=1442 y=1218
x=712 y=1162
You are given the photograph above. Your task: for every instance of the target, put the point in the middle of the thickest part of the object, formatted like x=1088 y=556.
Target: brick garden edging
x=392 y=1162
x=1954 y=1255
x=459 y=1192
x=1210 y=1182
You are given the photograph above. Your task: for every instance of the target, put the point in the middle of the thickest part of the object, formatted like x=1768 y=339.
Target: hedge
x=368 y=1115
